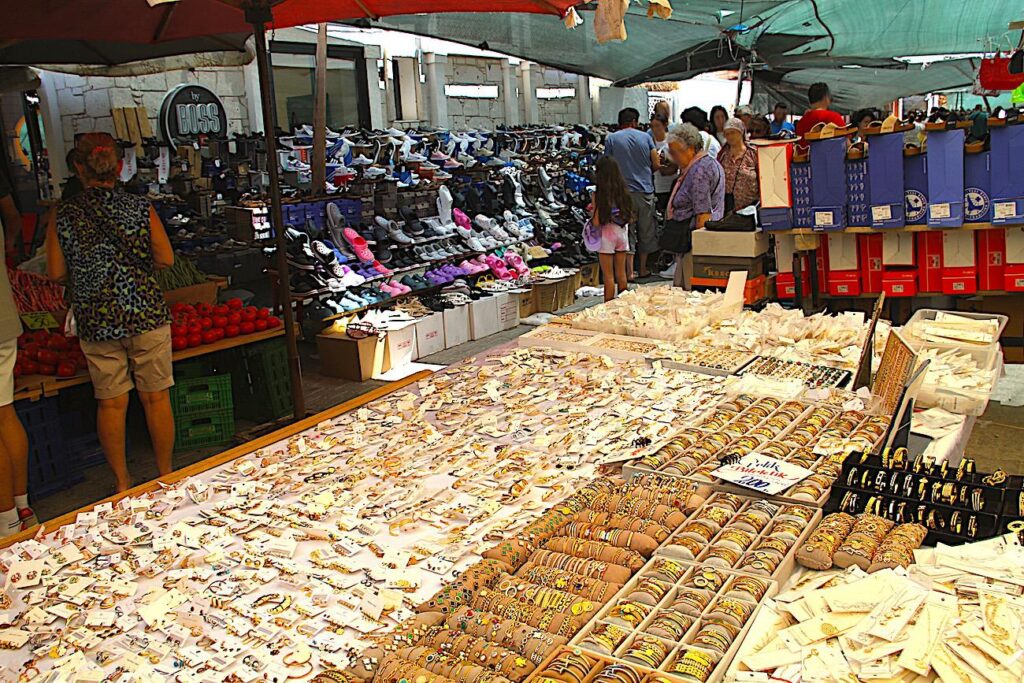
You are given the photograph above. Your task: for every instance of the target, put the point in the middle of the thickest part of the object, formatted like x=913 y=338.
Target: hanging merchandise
x=659 y=8
x=828 y=171
x=945 y=176
x=994 y=73
x=609 y=20
x=572 y=18
x=885 y=174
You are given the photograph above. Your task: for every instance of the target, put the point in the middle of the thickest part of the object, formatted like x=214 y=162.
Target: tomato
x=263 y=313
x=247 y=327
x=204 y=308
x=273 y=321
x=206 y=322
x=42 y=336
x=66 y=368
x=22 y=340
x=194 y=327
x=235 y=318
x=249 y=313
x=194 y=339
x=45 y=369
x=209 y=336
x=231 y=331
x=177 y=309
x=179 y=342
x=19 y=369
x=221 y=309
x=31 y=351
x=220 y=321
x=260 y=324
x=218 y=333
x=235 y=303
x=48 y=357
x=179 y=330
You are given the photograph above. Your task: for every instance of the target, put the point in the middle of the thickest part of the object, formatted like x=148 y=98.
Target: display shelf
x=31 y=387
x=225 y=457
x=868 y=230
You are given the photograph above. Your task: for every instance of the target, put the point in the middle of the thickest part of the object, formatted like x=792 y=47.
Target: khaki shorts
x=147 y=355
x=8 y=356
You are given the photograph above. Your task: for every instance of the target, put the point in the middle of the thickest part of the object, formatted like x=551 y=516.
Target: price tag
x=881 y=213
x=163 y=165
x=41 y=320
x=938 y=211
x=762 y=473
x=1004 y=210
x=824 y=219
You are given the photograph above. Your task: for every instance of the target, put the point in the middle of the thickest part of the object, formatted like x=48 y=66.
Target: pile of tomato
x=48 y=353
x=207 y=323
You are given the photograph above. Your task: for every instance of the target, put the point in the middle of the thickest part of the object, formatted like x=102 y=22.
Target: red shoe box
x=929 y=261
x=869 y=262
x=785 y=286
x=822 y=265
x=960 y=280
x=900 y=282
x=990 y=257
x=844 y=283
x=1013 y=277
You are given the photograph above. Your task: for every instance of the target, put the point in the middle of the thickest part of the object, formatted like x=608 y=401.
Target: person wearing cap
x=739 y=161
x=744 y=114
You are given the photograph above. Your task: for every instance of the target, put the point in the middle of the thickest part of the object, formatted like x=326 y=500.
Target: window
x=484 y=92
x=555 y=93
x=294 y=67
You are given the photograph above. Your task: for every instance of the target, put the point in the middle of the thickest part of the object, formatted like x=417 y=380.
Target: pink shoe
x=471 y=268
x=462 y=220
x=389 y=288
x=498 y=268
x=379 y=267
x=480 y=261
x=398 y=287
x=515 y=261
x=359 y=245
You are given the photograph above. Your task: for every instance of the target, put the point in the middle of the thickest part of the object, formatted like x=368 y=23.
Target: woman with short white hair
x=697 y=197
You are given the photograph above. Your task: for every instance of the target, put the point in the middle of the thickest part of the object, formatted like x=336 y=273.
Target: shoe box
x=399 y=346
x=1013 y=273
x=899 y=282
x=755 y=289
x=869 y=262
x=342 y=356
x=929 y=260
x=429 y=335
x=508 y=310
x=1007 y=161
x=828 y=189
x=990 y=257
x=844 y=283
x=731 y=244
x=719 y=267
x=843 y=277
x=899 y=275
x=456 y=326
x=959 y=271
x=945 y=171
x=484 y=319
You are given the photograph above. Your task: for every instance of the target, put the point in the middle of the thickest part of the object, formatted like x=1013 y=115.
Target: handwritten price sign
x=762 y=473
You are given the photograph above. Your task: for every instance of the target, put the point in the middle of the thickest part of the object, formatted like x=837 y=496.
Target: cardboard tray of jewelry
x=558 y=337
x=710 y=360
x=629 y=348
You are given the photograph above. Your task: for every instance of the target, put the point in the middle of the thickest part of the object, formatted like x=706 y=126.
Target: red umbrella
x=118 y=31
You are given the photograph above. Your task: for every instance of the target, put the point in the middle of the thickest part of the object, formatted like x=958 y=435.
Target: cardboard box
x=898 y=249
x=959 y=280
x=508 y=310
x=772 y=219
x=990 y=257
x=205 y=293
x=546 y=297
x=957 y=249
x=1014 y=245
x=400 y=346
x=719 y=267
x=755 y=290
x=342 y=356
x=929 y=260
x=785 y=285
x=526 y=305
x=869 y=262
x=483 y=318
x=900 y=282
x=590 y=275
x=429 y=335
x=785 y=245
x=732 y=244
x=1013 y=277
x=842 y=252
x=1013 y=354
x=456 y=326
x=844 y=283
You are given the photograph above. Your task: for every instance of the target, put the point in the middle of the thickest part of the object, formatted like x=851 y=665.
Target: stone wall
x=85 y=101
x=561 y=110
x=469 y=112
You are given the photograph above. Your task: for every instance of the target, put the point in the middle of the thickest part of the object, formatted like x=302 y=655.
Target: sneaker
x=28 y=518
x=669 y=273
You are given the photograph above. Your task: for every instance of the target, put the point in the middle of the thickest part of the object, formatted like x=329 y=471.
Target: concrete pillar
x=509 y=93
x=531 y=79
x=435 y=77
x=49 y=108
x=390 y=113
x=371 y=53
x=586 y=107
x=253 y=103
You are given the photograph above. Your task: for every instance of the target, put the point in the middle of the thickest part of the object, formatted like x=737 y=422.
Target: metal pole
x=258 y=16
x=320 y=113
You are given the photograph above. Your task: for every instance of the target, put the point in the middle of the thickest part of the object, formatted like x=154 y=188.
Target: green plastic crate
x=262 y=382
x=201 y=395
x=192 y=369
x=212 y=429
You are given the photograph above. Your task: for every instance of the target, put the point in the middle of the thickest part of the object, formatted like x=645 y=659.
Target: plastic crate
x=262 y=382
x=211 y=429
x=201 y=395
x=193 y=369
x=52 y=466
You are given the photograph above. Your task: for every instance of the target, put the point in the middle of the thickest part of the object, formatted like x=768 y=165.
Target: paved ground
x=995 y=442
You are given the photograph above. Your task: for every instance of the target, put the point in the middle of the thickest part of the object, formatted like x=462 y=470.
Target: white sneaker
x=669 y=273
x=361 y=160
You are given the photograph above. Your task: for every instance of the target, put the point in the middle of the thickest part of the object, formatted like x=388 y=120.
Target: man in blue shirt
x=779 y=122
x=638 y=160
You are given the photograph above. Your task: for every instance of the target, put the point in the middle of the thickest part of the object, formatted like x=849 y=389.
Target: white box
x=842 y=252
x=429 y=335
x=1015 y=244
x=483 y=318
x=400 y=347
x=456 y=326
x=785 y=245
x=958 y=248
x=508 y=310
x=897 y=249
x=739 y=244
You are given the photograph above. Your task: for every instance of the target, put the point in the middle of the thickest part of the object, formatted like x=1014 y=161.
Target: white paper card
x=762 y=473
